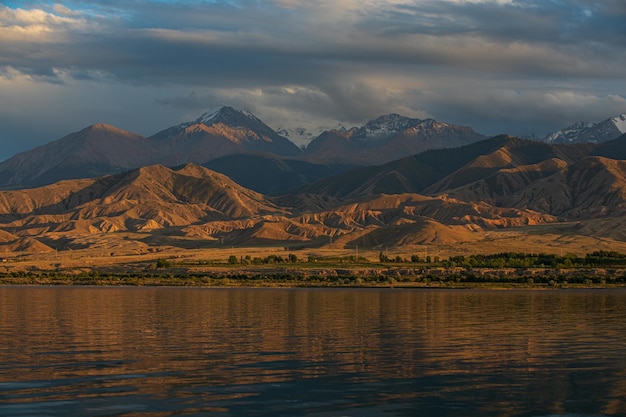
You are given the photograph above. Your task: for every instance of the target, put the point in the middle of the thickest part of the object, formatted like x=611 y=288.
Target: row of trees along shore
x=604 y=268
x=597 y=259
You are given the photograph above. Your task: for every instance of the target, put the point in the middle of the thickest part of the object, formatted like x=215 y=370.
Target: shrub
x=163 y=263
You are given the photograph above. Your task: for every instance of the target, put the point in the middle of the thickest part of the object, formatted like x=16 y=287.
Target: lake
x=79 y=351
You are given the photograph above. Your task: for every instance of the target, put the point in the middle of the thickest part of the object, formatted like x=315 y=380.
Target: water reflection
x=285 y=352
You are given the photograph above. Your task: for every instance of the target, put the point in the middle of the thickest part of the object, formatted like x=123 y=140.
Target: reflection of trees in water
x=492 y=349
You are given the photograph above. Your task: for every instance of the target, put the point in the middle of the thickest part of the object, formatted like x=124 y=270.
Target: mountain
x=191 y=206
x=387 y=138
x=498 y=188
x=472 y=194
x=102 y=149
x=563 y=181
x=94 y=151
x=583 y=132
x=435 y=171
x=224 y=132
x=302 y=136
x=271 y=175
x=614 y=149
x=146 y=199
x=525 y=160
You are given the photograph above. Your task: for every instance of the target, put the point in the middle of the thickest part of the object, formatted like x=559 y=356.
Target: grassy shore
x=323 y=276
x=281 y=267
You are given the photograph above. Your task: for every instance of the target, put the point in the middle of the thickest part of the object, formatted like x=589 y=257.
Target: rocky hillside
x=193 y=206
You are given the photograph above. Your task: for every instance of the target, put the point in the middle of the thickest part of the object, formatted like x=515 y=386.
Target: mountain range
x=584 y=132
x=226 y=178
x=459 y=196
x=103 y=149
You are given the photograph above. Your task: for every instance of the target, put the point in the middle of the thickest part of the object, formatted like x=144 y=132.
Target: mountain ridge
x=584 y=132
x=444 y=197
x=102 y=149
x=387 y=138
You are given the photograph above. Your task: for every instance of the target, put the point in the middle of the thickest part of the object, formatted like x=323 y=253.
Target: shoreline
x=353 y=282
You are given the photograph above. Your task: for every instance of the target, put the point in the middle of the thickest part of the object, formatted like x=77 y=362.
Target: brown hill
x=146 y=199
x=194 y=206
x=593 y=187
x=530 y=158
x=585 y=189
x=413 y=174
x=385 y=220
x=441 y=171
x=476 y=192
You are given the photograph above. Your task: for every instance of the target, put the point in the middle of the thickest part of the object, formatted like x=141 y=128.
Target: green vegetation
x=602 y=269
x=163 y=263
x=522 y=260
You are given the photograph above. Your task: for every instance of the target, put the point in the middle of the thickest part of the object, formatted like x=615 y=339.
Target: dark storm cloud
x=552 y=22
x=250 y=44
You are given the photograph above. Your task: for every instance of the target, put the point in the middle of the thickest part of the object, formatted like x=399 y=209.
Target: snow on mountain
x=620 y=122
x=584 y=132
x=302 y=136
x=227 y=115
x=387 y=138
x=383 y=126
x=569 y=134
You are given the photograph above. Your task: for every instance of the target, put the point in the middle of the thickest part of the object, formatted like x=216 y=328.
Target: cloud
x=507 y=65
x=264 y=45
x=523 y=113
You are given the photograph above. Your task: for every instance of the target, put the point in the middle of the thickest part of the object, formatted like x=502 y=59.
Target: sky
x=500 y=66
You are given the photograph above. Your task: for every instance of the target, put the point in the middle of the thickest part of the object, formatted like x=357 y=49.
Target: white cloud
x=37 y=25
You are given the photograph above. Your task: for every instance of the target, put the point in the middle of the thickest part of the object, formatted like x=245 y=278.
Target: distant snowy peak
x=222 y=132
x=227 y=115
x=388 y=125
x=584 y=132
x=569 y=134
x=302 y=136
x=298 y=135
x=620 y=122
x=384 y=126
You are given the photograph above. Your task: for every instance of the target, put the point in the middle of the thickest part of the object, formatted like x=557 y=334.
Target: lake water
x=311 y=352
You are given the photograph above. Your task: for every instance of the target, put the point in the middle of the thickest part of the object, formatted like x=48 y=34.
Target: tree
x=163 y=263
x=232 y=260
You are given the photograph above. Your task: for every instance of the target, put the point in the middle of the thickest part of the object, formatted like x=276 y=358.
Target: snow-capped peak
x=225 y=114
x=568 y=134
x=302 y=136
x=584 y=132
x=385 y=125
x=620 y=122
